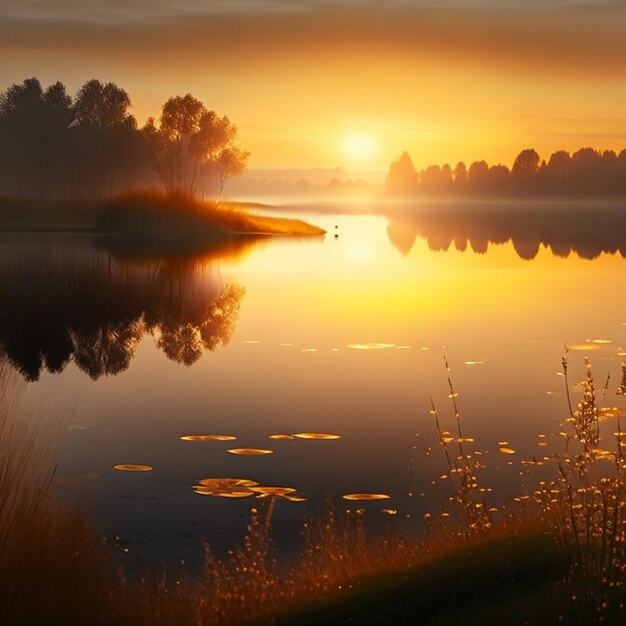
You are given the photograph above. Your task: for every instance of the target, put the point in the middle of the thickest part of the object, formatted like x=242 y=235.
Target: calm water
x=341 y=335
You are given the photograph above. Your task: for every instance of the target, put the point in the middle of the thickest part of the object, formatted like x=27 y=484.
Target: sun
x=360 y=145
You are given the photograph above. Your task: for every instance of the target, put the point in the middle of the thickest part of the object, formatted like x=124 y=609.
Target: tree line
x=56 y=146
x=587 y=172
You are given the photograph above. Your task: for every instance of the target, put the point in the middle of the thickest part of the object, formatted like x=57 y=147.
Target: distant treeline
x=260 y=187
x=587 y=172
x=90 y=146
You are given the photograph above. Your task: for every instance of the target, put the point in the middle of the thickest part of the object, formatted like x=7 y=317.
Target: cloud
x=120 y=12
x=553 y=38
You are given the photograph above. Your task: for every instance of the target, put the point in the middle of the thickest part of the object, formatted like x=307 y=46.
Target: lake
x=347 y=334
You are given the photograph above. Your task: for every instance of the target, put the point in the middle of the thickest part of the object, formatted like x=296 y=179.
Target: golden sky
x=348 y=83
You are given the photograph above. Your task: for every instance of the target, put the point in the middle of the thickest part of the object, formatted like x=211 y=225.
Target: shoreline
x=147 y=216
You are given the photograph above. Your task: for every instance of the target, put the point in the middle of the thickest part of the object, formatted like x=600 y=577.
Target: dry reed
x=52 y=562
x=55 y=564
x=585 y=511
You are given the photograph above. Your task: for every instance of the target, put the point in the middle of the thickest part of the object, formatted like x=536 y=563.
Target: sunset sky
x=348 y=83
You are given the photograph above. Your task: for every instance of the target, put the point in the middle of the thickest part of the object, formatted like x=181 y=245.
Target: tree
x=587 y=171
x=194 y=145
x=33 y=132
x=558 y=170
x=101 y=106
x=230 y=162
x=460 y=176
x=499 y=179
x=402 y=178
x=103 y=132
x=478 y=176
x=436 y=179
x=526 y=165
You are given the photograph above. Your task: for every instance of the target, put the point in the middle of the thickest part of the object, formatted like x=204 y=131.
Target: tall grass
x=585 y=508
x=55 y=565
x=462 y=464
x=147 y=214
x=52 y=563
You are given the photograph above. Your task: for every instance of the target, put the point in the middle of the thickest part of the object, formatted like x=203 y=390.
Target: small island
x=83 y=164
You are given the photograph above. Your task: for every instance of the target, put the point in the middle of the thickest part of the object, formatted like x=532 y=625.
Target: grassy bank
x=512 y=577
x=146 y=215
x=561 y=558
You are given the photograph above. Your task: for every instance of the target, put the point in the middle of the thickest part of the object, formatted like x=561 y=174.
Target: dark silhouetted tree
x=587 y=173
x=103 y=131
x=33 y=137
x=460 y=176
x=53 y=146
x=525 y=170
x=558 y=171
x=193 y=147
x=478 y=176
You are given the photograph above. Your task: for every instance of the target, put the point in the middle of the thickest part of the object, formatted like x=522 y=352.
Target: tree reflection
x=587 y=232
x=185 y=342
x=107 y=351
x=75 y=303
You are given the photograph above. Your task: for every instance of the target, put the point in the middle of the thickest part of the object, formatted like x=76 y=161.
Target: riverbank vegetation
x=559 y=558
x=83 y=163
x=146 y=215
x=53 y=145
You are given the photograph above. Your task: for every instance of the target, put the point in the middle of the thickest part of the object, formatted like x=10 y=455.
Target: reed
x=462 y=464
x=53 y=562
x=56 y=566
x=585 y=512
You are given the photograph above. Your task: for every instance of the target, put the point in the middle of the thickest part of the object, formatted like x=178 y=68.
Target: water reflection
x=68 y=301
x=586 y=232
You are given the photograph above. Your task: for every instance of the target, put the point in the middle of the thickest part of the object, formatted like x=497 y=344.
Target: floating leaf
x=207 y=438
x=226 y=483
x=249 y=451
x=224 y=493
x=233 y=494
x=273 y=491
x=225 y=487
x=366 y=496
x=132 y=467
x=294 y=498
